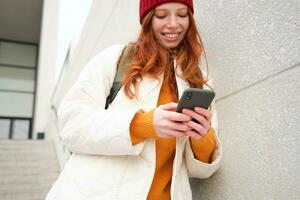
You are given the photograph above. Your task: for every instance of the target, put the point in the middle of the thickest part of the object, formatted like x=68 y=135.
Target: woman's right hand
x=168 y=123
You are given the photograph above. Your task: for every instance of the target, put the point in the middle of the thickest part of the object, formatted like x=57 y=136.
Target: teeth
x=172 y=35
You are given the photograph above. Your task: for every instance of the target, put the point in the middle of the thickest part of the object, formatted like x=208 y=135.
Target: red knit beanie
x=147 y=5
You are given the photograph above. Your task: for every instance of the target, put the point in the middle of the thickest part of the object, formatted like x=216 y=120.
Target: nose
x=172 y=23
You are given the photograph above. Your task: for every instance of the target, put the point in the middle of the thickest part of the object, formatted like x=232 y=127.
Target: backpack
x=122 y=66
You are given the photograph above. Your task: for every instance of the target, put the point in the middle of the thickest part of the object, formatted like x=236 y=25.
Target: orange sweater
x=141 y=128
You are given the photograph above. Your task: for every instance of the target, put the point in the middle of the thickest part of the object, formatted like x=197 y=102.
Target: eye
x=183 y=15
x=160 y=16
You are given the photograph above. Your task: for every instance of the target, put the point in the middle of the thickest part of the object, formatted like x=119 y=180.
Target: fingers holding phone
x=168 y=123
x=195 y=102
x=201 y=121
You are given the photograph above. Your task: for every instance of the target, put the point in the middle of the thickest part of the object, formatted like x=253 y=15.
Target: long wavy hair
x=151 y=59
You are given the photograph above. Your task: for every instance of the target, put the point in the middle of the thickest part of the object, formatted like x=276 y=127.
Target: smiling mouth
x=171 y=36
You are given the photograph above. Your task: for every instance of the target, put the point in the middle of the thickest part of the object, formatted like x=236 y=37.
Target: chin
x=170 y=46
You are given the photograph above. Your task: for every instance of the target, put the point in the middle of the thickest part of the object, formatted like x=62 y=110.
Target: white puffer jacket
x=104 y=164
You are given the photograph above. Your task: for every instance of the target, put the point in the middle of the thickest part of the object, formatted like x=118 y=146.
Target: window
x=4 y=128
x=17 y=88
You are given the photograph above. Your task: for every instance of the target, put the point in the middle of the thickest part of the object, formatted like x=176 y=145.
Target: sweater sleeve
x=141 y=127
x=203 y=148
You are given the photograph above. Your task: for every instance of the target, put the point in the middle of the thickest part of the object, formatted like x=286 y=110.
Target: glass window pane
x=21 y=129
x=16 y=104
x=16 y=79
x=4 y=128
x=18 y=54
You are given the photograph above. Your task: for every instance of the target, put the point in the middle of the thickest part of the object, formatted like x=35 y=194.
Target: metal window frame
x=11 y=122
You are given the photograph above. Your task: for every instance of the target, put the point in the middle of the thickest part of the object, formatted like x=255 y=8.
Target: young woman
x=139 y=148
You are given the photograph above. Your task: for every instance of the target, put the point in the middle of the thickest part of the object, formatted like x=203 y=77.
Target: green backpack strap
x=122 y=66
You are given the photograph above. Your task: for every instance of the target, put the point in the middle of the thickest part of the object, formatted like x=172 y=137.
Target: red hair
x=151 y=59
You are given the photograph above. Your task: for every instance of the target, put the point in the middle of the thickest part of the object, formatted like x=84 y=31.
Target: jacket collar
x=150 y=87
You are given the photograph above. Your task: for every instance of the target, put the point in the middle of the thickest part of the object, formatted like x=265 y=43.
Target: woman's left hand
x=201 y=122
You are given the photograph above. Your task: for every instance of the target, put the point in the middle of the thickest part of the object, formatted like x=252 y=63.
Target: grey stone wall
x=253 y=50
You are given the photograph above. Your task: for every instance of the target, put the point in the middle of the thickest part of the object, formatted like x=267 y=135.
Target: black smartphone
x=195 y=97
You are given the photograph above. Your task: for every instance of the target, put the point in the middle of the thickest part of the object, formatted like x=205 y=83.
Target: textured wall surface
x=253 y=51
